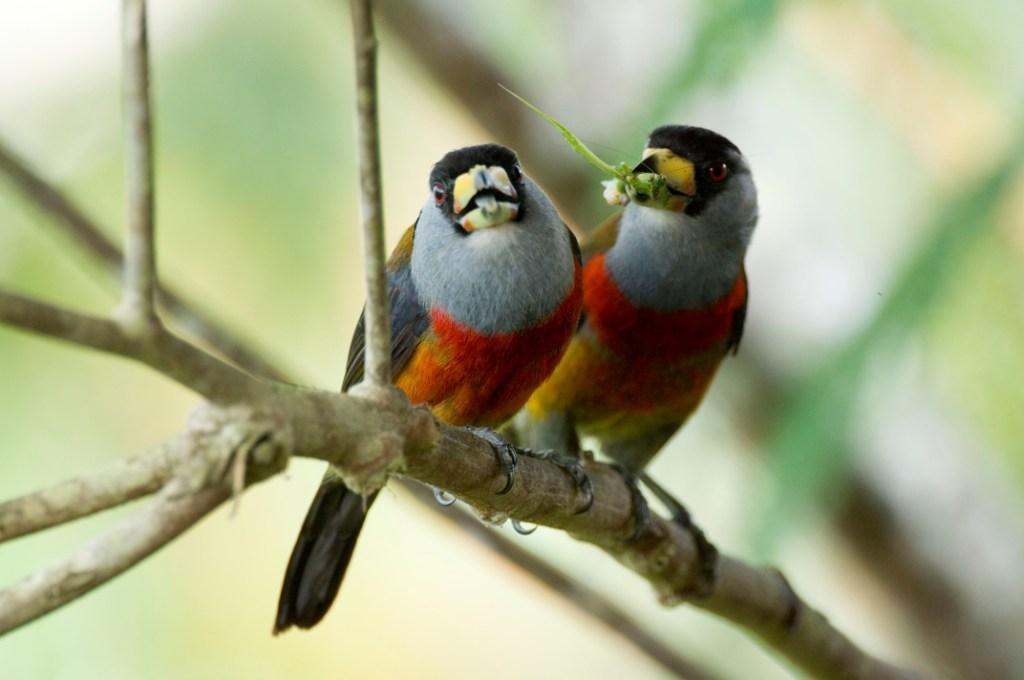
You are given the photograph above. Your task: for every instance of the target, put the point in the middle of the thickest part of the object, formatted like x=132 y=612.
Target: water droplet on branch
x=443 y=497
x=523 y=528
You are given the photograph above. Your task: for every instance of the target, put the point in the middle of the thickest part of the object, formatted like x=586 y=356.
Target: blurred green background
x=868 y=438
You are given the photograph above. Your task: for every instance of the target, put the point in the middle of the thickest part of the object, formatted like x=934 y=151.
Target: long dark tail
x=321 y=554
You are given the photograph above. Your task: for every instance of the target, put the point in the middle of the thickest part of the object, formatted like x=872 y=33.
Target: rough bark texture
x=138 y=294
x=368 y=440
x=952 y=623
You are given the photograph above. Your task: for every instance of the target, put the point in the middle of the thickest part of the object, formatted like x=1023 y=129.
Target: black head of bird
x=479 y=187
x=703 y=170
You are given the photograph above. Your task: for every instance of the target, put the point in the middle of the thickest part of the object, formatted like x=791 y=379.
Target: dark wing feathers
x=328 y=537
x=739 y=318
x=409 y=318
x=574 y=244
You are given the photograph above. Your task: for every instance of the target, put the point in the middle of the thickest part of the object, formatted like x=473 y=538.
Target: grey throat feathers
x=667 y=260
x=501 y=279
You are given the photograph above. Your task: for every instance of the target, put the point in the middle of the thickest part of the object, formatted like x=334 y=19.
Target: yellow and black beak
x=678 y=172
x=483 y=197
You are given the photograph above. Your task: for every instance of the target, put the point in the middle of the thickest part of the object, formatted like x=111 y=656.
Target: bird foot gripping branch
x=508 y=458
x=508 y=455
x=574 y=467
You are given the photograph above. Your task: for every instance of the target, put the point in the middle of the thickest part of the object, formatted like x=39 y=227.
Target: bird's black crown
x=459 y=161
x=698 y=144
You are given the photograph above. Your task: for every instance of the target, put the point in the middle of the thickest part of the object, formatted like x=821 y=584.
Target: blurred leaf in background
x=806 y=441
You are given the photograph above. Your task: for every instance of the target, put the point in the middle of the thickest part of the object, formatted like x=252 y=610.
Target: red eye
x=439 y=193
x=718 y=171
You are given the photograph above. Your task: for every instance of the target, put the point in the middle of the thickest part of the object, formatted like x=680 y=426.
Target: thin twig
x=90 y=331
x=378 y=439
x=125 y=480
x=138 y=295
x=163 y=519
x=562 y=584
x=50 y=200
x=470 y=76
x=92 y=241
x=163 y=351
x=378 y=323
x=88 y=237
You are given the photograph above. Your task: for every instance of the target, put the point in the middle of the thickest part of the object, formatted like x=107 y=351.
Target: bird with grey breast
x=485 y=294
x=665 y=299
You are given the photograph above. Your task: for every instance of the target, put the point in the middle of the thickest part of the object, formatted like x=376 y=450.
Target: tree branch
x=377 y=360
x=32 y=315
x=142 y=534
x=93 y=242
x=50 y=200
x=138 y=295
x=198 y=484
x=124 y=481
x=939 y=611
x=380 y=439
x=163 y=351
x=559 y=583
x=759 y=599
x=470 y=77
x=375 y=438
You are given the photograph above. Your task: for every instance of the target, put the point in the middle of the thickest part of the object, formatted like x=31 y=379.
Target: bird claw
x=794 y=603
x=508 y=456
x=707 y=553
x=641 y=511
x=573 y=467
x=522 y=528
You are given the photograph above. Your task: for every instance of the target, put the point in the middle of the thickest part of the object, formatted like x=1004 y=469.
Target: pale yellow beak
x=483 y=197
x=678 y=172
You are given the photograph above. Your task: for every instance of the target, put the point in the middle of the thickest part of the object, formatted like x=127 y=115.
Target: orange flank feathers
x=636 y=366
x=494 y=374
x=659 y=336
